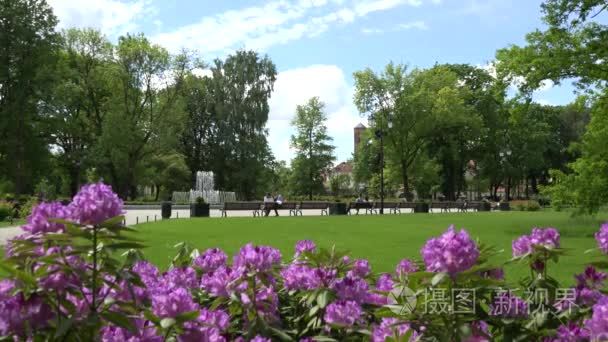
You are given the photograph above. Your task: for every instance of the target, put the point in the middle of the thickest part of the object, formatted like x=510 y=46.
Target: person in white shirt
x=269 y=203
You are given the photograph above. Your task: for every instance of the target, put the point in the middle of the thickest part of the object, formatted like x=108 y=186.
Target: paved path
x=135 y=216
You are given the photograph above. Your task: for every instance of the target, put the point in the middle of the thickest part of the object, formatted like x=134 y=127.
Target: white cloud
x=112 y=17
x=413 y=25
x=294 y=87
x=276 y=22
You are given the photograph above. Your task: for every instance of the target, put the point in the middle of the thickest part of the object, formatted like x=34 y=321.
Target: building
x=346 y=167
x=357 y=134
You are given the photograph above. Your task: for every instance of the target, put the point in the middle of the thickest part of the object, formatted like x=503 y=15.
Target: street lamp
x=380 y=135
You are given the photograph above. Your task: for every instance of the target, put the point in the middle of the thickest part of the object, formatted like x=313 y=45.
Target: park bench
x=400 y=205
x=291 y=206
x=306 y=205
x=255 y=207
x=368 y=206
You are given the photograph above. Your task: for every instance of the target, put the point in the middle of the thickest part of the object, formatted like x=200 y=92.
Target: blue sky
x=318 y=44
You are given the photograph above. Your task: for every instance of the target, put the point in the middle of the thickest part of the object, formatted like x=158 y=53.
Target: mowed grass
x=383 y=240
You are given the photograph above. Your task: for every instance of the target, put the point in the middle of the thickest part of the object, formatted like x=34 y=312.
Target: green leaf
x=18 y=274
x=437 y=278
x=64 y=326
x=112 y=222
x=281 y=334
x=166 y=323
x=323 y=339
x=323 y=299
x=186 y=316
x=119 y=319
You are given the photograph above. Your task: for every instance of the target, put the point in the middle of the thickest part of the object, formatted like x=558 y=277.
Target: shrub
x=26 y=208
x=68 y=284
x=533 y=206
x=6 y=210
x=525 y=205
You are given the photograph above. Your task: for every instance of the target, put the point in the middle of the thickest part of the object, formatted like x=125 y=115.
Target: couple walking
x=271 y=203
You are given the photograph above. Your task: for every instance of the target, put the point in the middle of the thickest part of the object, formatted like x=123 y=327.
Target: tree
x=78 y=100
x=199 y=138
x=241 y=87
x=314 y=152
x=573 y=46
x=28 y=43
x=339 y=184
x=407 y=108
x=586 y=185
x=146 y=85
x=167 y=173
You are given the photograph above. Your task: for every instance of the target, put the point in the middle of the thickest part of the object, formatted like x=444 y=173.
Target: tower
x=358 y=132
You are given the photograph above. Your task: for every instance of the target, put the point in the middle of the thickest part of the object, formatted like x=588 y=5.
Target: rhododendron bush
x=78 y=274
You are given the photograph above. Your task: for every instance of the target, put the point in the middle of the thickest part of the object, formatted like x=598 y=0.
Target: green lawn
x=384 y=240
x=17 y=222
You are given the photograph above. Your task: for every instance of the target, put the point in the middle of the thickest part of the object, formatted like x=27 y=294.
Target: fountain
x=205 y=182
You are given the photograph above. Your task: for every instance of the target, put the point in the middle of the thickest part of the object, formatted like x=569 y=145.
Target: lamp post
x=380 y=135
x=503 y=159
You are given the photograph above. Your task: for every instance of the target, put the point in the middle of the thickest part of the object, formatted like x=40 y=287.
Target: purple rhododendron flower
x=221 y=282
x=300 y=277
x=172 y=304
x=385 y=282
x=452 y=252
x=507 y=305
x=353 y=289
x=259 y=338
x=588 y=286
x=179 y=277
x=570 y=332
x=391 y=328
x=38 y=221
x=146 y=332
x=212 y=259
x=57 y=279
x=16 y=311
x=257 y=258
x=209 y=326
x=343 y=313
x=602 y=238
x=405 y=267
x=495 y=273
x=479 y=332
x=547 y=237
x=360 y=268
x=148 y=273
x=96 y=203
x=521 y=246
x=305 y=246
x=598 y=323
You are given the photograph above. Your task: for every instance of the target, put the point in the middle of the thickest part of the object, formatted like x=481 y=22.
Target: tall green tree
x=145 y=109
x=78 y=100
x=28 y=44
x=199 y=138
x=242 y=85
x=312 y=145
x=572 y=46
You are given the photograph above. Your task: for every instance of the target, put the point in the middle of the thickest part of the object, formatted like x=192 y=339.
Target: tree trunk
x=406 y=188
x=74 y=172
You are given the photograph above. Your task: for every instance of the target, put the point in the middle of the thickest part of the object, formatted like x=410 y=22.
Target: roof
x=343 y=167
x=360 y=125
